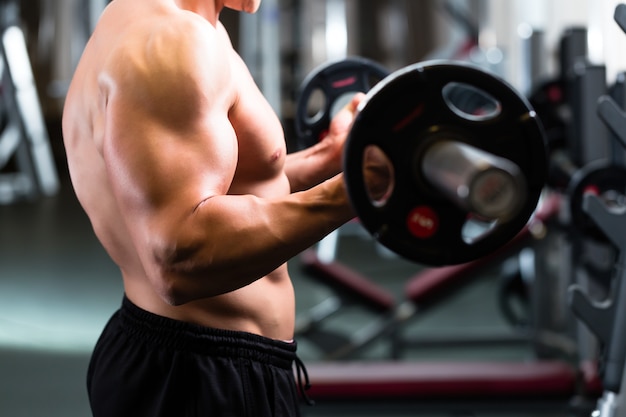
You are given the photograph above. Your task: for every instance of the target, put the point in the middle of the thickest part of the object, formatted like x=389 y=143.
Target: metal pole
x=270 y=54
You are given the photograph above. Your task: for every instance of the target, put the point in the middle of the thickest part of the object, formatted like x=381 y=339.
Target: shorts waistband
x=180 y=335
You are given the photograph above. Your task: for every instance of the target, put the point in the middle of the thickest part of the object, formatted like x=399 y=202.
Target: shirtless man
x=182 y=168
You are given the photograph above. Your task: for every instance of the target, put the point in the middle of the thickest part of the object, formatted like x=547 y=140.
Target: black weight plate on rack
x=598 y=177
x=333 y=80
x=405 y=113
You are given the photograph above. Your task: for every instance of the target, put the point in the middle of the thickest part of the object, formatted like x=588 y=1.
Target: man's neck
x=210 y=10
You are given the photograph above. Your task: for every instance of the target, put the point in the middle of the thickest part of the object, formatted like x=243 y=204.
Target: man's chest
x=260 y=137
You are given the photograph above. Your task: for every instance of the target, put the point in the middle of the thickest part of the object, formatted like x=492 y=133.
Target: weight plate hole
x=315 y=105
x=470 y=102
x=475 y=229
x=340 y=102
x=378 y=175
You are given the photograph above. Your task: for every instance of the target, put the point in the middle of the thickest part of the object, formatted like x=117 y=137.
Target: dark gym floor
x=58 y=288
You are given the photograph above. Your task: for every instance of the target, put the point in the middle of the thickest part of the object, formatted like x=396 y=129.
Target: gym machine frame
x=24 y=135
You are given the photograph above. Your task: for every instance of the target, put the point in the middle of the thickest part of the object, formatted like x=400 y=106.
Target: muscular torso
x=265 y=306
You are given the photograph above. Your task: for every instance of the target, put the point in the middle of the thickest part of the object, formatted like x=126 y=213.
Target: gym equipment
x=614 y=117
x=457 y=387
x=566 y=104
x=603 y=179
x=423 y=290
x=466 y=159
x=322 y=94
x=568 y=388
x=595 y=188
x=24 y=136
x=548 y=100
x=553 y=384
x=466 y=387
x=542 y=385
x=588 y=138
x=494 y=107
x=493 y=110
x=328 y=88
x=606 y=319
x=582 y=158
x=428 y=287
x=351 y=289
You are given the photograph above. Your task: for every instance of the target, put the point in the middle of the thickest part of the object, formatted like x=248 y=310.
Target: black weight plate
x=598 y=177
x=333 y=80
x=405 y=113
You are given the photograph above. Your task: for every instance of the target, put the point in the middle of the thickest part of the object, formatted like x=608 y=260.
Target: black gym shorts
x=146 y=365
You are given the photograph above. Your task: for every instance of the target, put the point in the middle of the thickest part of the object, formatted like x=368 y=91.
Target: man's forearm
x=310 y=167
x=230 y=241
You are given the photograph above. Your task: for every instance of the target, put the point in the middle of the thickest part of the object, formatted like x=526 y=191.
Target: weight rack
x=27 y=167
x=607 y=318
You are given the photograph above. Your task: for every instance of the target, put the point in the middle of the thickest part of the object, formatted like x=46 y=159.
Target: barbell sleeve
x=487 y=185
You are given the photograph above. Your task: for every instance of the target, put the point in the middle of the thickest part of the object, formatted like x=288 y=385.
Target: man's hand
x=338 y=131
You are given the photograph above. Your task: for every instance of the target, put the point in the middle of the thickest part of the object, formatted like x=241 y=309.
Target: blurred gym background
x=57 y=286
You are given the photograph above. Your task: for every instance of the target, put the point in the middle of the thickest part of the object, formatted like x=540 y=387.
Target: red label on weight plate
x=422 y=222
x=344 y=82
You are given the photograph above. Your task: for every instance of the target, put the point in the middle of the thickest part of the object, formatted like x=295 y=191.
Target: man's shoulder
x=176 y=49
x=174 y=37
x=172 y=65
